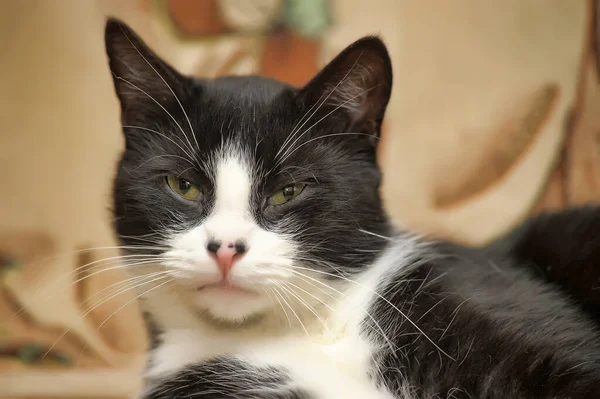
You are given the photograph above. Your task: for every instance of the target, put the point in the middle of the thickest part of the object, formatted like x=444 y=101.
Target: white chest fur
x=332 y=362
x=330 y=367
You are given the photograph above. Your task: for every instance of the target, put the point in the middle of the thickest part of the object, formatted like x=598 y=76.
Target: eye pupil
x=183 y=188
x=184 y=185
x=288 y=192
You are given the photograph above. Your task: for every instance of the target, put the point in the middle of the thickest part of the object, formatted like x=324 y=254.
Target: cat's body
x=493 y=330
x=251 y=218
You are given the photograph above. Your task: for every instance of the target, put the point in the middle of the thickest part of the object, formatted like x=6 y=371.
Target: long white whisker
x=312 y=295
x=291 y=149
x=282 y=307
x=170 y=89
x=134 y=299
x=103 y=268
x=120 y=285
x=324 y=137
x=266 y=290
x=87 y=267
x=325 y=100
x=293 y=311
x=381 y=331
x=383 y=299
x=159 y=104
x=96 y=306
x=297 y=126
x=303 y=302
x=376 y=235
x=165 y=156
x=91 y=249
x=128 y=287
x=120 y=266
x=162 y=135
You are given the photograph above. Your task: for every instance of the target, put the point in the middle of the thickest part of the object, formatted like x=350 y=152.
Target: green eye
x=183 y=188
x=287 y=194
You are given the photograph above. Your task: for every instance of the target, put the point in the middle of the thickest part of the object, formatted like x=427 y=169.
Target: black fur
x=256 y=114
x=228 y=378
x=561 y=248
x=489 y=324
x=500 y=332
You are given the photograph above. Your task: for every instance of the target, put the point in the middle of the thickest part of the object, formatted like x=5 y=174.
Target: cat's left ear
x=144 y=83
x=353 y=90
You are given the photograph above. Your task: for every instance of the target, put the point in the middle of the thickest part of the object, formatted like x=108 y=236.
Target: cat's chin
x=231 y=305
x=227 y=323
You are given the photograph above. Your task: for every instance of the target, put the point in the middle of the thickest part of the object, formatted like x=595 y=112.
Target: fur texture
x=282 y=277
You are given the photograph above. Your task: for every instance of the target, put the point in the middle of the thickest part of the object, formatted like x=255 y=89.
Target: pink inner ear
x=356 y=83
x=359 y=107
x=358 y=93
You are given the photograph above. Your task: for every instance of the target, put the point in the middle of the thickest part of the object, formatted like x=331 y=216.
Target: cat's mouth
x=226 y=286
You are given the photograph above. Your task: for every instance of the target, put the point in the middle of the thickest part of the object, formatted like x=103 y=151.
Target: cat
x=251 y=221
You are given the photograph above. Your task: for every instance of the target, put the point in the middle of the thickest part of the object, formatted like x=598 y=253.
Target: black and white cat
x=253 y=225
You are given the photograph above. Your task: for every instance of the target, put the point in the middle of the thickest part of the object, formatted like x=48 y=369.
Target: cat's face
x=250 y=195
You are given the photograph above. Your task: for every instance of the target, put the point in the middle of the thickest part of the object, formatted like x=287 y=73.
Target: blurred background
x=495 y=115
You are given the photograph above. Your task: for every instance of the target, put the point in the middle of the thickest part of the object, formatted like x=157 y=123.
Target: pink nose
x=226 y=254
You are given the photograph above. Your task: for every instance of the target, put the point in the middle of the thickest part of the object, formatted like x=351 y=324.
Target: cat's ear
x=142 y=80
x=355 y=86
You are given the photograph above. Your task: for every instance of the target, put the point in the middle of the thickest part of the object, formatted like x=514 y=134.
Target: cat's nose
x=226 y=253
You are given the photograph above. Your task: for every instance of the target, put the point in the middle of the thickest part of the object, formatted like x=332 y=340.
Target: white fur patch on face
x=244 y=291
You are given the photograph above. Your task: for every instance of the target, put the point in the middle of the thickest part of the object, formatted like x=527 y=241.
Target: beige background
x=475 y=132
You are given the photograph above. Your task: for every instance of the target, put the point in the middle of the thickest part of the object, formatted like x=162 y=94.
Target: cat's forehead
x=245 y=111
x=258 y=89
x=247 y=99
x=261 y=121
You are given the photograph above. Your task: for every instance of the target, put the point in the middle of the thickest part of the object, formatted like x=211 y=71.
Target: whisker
x=162 y=135
x=381 y=331
x=121 y=290
x=284 y=285
x=144 y=260
x=322 y=103
x=326 y=136
x=383 y=299
x=266 y=291
x=312 y=295
x=36 y=297
x=134 y=299
x=91 y=249
x=165 y=156
x=159 y=104
x=297 y=126
x=87 y=267
x=119 y=285
x=290 y=150
x=293 y=311
x=170 y=89
x=376 y=235
x=82 y=317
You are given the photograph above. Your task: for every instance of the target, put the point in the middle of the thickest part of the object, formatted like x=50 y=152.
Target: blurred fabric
x=494 y=116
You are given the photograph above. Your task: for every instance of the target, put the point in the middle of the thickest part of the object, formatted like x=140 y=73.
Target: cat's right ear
x=143 y=82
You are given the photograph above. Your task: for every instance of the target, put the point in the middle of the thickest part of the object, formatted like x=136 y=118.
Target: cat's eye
x=184 y=188
x=287 y=194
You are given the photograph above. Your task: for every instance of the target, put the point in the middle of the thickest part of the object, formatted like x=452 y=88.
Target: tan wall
x=59 y=141
x=476 y=138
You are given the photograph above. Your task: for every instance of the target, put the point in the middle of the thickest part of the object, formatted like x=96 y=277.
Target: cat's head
x=250 y=194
